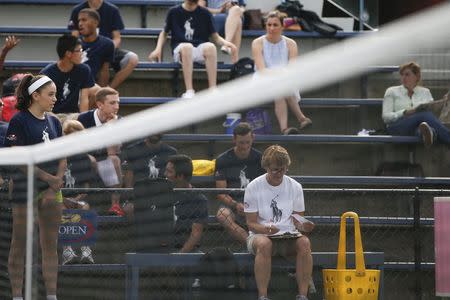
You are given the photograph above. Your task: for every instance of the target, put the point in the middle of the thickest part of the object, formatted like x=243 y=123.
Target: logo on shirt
x=84 y=56
x=243 y=178
x=153 y=171
x=189 y=31
x=11 y=138
x=45 y=135
x=68 y=178
x=277 y=213
x=66 y=90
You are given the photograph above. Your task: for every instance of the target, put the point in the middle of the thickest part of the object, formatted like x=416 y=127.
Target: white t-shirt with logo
x=274 y=204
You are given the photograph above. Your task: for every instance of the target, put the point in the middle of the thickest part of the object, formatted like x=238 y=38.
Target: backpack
x=242 y=67
x=218 y=270
x=259 y=120
x=308 y=20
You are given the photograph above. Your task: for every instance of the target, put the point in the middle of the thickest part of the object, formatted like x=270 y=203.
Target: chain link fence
x=398 y=222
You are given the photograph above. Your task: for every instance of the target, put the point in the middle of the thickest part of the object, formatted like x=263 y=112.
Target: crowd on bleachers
x=78 y=89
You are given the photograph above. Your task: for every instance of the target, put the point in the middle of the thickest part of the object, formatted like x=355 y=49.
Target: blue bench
x=137 y=261
x=335 y=220
x=299 y=138
x=391 y=181
x=39 y=64
x=154 y=32
x=306 y=102
x=319 y=220
x=116 y=2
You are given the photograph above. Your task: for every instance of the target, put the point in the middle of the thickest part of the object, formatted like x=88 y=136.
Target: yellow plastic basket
x=350 y=284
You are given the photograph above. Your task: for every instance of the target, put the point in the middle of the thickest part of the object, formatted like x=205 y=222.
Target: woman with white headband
x=36 y=96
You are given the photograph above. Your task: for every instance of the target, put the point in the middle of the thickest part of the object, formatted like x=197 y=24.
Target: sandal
x=305 y=123
x=290 y=130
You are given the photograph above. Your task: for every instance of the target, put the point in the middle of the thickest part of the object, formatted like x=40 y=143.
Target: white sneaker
x=69 y=256
x=188 y=94
x=196 y=283
x=86 y=255
x=226 y=50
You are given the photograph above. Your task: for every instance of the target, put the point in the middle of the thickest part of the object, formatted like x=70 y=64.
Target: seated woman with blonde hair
x=403 y=112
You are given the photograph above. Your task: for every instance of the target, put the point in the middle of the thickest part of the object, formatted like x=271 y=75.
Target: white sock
x=67 y=248
x=17 y=298
x=51 y=297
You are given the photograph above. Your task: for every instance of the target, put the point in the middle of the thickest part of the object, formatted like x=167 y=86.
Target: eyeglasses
x=277 y=170
x=78 y=50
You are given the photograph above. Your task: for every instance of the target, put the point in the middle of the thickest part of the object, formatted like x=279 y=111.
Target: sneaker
x=196 y=283
x=226 y=50
x=188 y=94
x=263 y=298
x=427 y=134
x=116 y=210
x=86 y=255
x=69 y=257
x=301 y=297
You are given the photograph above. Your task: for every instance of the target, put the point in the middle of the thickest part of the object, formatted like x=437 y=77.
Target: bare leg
x=210 y=54
x=187 y=64
x=115 y=197
x=226 y=218
x=233 y=29
x=295 y=108
x=49 y=220
x=304 y=264
x=281 y=112
x=92 y=91
x=125 y=72
x=262 y=246
x=16 y=259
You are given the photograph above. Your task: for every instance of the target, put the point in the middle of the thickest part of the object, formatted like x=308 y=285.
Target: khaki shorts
x=280 y=247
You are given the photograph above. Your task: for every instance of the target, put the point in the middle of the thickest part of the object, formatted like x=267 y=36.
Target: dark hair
x=182 y=164
x=66 y=43
x=103 y=92
x=92 y=13
x=23 y=97
x=242 y=128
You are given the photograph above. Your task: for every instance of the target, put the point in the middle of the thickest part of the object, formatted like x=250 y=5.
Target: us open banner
x=442 y=245
x=78 y=227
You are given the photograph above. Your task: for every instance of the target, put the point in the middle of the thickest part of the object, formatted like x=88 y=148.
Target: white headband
x=37 y=84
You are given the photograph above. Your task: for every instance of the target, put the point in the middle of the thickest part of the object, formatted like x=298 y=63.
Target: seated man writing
x=274 y=205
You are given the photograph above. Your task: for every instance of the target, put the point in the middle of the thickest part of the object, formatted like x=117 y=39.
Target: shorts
x=121 y=58
x=197 y=54
x=284 y=248
x=58 y=196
